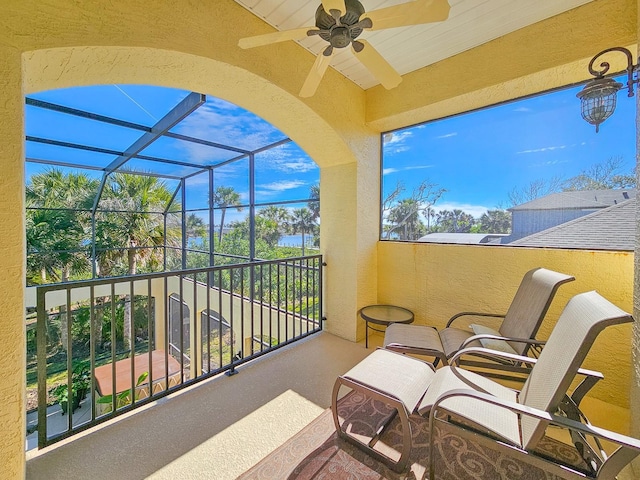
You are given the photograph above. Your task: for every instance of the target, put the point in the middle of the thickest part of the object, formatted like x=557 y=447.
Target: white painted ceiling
x=470 y=23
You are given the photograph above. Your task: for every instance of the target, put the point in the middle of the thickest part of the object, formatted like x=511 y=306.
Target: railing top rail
x=151 y=276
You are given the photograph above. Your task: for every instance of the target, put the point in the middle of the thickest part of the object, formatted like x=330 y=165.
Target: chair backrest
x=530 y=305
x=584 y=317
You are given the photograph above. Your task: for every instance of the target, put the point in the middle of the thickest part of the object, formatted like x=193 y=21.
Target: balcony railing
x=119 y=343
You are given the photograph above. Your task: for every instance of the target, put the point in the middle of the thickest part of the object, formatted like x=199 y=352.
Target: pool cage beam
x=183 y=199
x=125 y=124
x=187 y=106
x=252 y=209
x=212 y=257
x=181 y=111
x=106 y=151
x=55 y=163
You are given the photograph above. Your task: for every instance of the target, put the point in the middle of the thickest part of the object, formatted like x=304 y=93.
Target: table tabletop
x=104 y=373
x=386 y=314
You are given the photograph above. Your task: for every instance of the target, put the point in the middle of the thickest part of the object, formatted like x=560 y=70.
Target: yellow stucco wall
x=635 y=376
x=12 y=265
x=437 y=281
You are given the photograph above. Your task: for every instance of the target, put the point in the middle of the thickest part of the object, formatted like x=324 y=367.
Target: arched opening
x=252 y=345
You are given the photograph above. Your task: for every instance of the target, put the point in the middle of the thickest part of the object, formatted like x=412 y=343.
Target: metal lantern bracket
x=605 y=67
x=598 y=97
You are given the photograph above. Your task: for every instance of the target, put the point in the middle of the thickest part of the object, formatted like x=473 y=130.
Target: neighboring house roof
x=611 y=228
x=465 y=238
x=578 y=200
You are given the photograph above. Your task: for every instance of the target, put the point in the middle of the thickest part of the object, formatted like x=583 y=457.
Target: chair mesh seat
x=395 y=375
x=403 y=334
x=501 y=422
x=452 y=338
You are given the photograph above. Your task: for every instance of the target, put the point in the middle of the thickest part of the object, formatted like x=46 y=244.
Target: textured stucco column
x=349 y=235
x=635 y=349
x=12 y=353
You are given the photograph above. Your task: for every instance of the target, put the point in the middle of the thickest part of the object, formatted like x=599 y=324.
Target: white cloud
x=401 y=149
x=300 y=165
x=388 y=171
x=285 y=160
x=549 y=163
x=233 y=215
x=282 y=185
x=395 y=142
x=522 y=109
x=223 y=123
x=475 y=210
x=448 y=135
x=543 y=149
x=276 y=188
x=201 y=179
x=396 y=137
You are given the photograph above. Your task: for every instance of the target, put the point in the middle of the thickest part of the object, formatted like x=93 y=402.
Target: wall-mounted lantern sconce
x=598 y=97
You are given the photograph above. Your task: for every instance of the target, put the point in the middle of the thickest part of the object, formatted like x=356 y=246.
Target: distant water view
x=285 y=241
x=294 y=241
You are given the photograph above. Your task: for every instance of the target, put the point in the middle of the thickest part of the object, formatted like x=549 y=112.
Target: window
x=530 y=172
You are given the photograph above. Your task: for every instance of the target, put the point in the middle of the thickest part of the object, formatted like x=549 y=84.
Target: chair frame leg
x=397 y=466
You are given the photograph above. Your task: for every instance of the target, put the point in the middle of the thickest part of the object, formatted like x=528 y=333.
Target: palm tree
x=135 y=206
x=56 y=229
x=279 y=215
x=404 y=219
x=223 y=198
x=314 y=205
x=195 y=227
x=301 y=222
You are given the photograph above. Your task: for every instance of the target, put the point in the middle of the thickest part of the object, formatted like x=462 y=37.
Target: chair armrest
x=591 y=377
x=429 y=364
x=530 y=341
x=592 y=430
x=628 y=447
x=475 y=314
x=455 y=359
x=488 y=353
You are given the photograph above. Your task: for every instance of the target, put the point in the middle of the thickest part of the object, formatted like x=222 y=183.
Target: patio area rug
x=317 y=453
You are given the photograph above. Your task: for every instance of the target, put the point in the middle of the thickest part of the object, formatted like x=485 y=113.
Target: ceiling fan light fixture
x=340 y=37
x=340 y=30
x=325 y=21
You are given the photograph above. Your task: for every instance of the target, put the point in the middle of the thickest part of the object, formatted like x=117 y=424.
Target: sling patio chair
x=515 y=335
x=487 y=416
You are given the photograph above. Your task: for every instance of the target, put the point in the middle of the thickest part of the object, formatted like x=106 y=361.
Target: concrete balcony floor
x=223 y=426
x=217 y=429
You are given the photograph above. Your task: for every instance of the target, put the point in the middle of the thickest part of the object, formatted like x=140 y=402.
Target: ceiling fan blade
x=376 y=64
x=329 y=5
x=315 y=75
x=275 y=37
x=415 y=12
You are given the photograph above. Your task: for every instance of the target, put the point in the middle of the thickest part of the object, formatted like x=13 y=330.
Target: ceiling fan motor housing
x=340 y=36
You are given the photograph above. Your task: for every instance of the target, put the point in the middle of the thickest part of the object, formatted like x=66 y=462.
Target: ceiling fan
x=340 y=23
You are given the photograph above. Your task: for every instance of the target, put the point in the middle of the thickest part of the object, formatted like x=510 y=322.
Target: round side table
x=383 y=315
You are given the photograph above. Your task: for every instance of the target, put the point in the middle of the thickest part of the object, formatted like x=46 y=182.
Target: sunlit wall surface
x=530 y=172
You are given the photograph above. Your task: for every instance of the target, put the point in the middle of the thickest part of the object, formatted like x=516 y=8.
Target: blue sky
x=477 y=157
x=282 y=174
x=480 y=156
